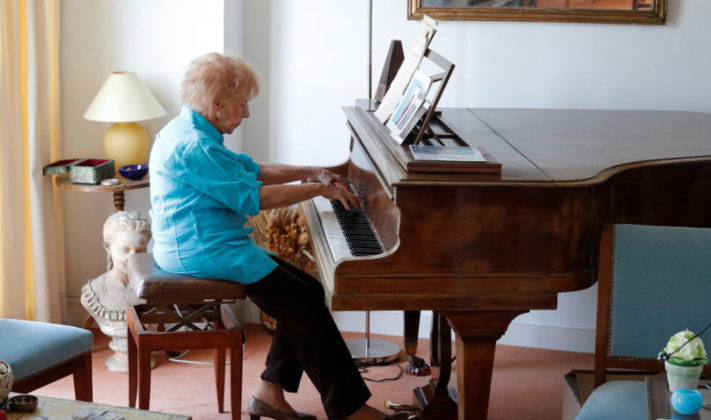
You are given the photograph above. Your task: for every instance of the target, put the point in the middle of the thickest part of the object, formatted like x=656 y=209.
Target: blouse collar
x=201 y=123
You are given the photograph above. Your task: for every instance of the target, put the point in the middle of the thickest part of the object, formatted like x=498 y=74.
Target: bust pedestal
x=106 y=303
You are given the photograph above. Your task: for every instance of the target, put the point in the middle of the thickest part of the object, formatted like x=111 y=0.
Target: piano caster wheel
x=418 y=367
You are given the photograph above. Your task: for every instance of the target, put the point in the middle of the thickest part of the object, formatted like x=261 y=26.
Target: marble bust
x=105 y=297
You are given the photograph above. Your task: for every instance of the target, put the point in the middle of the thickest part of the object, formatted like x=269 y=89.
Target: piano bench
x=183 y=301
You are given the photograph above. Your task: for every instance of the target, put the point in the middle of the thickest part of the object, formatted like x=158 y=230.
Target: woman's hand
x=334 y=192
x=327 y=177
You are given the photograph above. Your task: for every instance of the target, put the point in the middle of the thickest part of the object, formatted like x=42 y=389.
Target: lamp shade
x=124 y=98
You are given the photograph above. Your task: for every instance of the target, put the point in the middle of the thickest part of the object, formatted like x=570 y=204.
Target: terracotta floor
x=527 y=383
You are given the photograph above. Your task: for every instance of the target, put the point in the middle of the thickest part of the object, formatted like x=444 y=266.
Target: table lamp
x=123 y=100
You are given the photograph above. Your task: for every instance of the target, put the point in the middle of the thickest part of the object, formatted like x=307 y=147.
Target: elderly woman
x=201 y=194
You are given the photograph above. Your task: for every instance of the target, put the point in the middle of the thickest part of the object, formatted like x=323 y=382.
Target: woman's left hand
x=327 y=177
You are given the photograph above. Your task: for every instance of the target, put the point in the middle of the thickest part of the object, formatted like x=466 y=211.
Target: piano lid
x=527 y=143
x=595 y=140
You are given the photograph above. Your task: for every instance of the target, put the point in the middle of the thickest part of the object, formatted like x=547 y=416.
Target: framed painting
x=650 y=12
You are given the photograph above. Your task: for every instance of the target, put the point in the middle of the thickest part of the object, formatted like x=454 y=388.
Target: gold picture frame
x=649 y=12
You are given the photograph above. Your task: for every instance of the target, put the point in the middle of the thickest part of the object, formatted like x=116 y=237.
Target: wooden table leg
x=87 y=323
x=476 y=334
x=415 y=365
x=119 y=200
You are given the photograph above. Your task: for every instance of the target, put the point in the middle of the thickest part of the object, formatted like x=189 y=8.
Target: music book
x=446 y=153
x=456 y=159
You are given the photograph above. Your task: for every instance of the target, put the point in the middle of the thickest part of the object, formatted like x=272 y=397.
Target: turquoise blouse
x=201 y=193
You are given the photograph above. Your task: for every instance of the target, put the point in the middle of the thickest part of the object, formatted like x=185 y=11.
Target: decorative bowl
x=134 y=172
x=23 y=403
x=687 y=401
x=6 y=380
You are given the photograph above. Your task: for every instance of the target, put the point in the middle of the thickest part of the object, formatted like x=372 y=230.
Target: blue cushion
x=618 y=400
x=29 y=346
x=661 y=286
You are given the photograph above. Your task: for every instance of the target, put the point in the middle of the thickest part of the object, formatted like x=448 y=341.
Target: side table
x=50 y=408
x=118 y=190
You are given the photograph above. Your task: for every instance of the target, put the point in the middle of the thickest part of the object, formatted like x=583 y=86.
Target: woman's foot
x=258 y=409
x=273 y=395
x=367 y=412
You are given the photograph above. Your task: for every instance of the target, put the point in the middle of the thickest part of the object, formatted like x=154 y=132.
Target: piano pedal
x=411 y=409
x=416 y=366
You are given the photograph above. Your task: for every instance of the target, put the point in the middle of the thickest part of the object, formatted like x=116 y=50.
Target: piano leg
x=415 y=365
x=477 y=332
x=433 y=399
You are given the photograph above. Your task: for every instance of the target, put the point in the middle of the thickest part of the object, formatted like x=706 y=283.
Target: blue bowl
x=687 y=401
x=134 y=172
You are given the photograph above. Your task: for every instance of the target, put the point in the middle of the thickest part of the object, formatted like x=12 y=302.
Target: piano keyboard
x=348 y=233
x=359 y=234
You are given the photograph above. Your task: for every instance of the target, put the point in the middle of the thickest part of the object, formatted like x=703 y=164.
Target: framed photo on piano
x=411 y=107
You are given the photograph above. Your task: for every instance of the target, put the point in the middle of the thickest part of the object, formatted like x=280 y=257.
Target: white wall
x=155 y=39
x=312 y=57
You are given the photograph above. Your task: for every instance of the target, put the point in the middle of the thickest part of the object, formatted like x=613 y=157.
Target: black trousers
x=307 y=339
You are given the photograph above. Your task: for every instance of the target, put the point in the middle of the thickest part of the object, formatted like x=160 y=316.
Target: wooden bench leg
x=218 y=361
x=83 y=389
x=236 y=378
x=132 y=368
x=229 y=321
x=144 y=372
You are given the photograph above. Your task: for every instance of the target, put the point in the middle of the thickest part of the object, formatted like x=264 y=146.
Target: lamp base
x=126 y=143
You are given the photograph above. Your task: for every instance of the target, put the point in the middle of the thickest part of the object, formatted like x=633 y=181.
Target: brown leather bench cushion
x=158 y=286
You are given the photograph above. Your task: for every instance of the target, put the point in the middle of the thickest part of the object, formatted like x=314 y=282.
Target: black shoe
x=397 y=416
x=257 y=409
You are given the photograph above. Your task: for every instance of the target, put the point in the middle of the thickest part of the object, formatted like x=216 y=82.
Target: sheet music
x=425 y=32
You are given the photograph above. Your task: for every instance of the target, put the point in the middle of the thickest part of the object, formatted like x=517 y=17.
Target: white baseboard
x=75 y=312
x=579 y=340
x=518 y=334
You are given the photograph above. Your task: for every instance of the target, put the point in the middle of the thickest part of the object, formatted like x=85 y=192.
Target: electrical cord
x=178 y=359
x=363 y=368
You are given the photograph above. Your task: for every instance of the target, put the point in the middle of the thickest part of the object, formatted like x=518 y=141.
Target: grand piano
x=480 y=249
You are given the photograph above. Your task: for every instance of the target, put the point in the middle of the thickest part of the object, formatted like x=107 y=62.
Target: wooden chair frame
x=79 y=366
x=603 y=359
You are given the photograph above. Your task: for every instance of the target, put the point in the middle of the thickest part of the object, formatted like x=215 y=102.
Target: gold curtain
x=32 y=284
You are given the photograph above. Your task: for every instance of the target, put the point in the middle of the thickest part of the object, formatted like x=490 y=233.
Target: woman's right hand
x=349 y=200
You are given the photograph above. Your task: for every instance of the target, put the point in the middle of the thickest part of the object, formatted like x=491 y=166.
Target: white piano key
x=332 y=230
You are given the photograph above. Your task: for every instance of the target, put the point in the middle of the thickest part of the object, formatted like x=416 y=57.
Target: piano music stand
x=442 y=77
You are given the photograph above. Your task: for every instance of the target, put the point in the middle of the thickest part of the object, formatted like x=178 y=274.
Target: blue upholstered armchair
x=40 y=353
x=654 y=281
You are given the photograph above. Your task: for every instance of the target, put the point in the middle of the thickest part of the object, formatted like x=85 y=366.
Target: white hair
x=214 y=78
